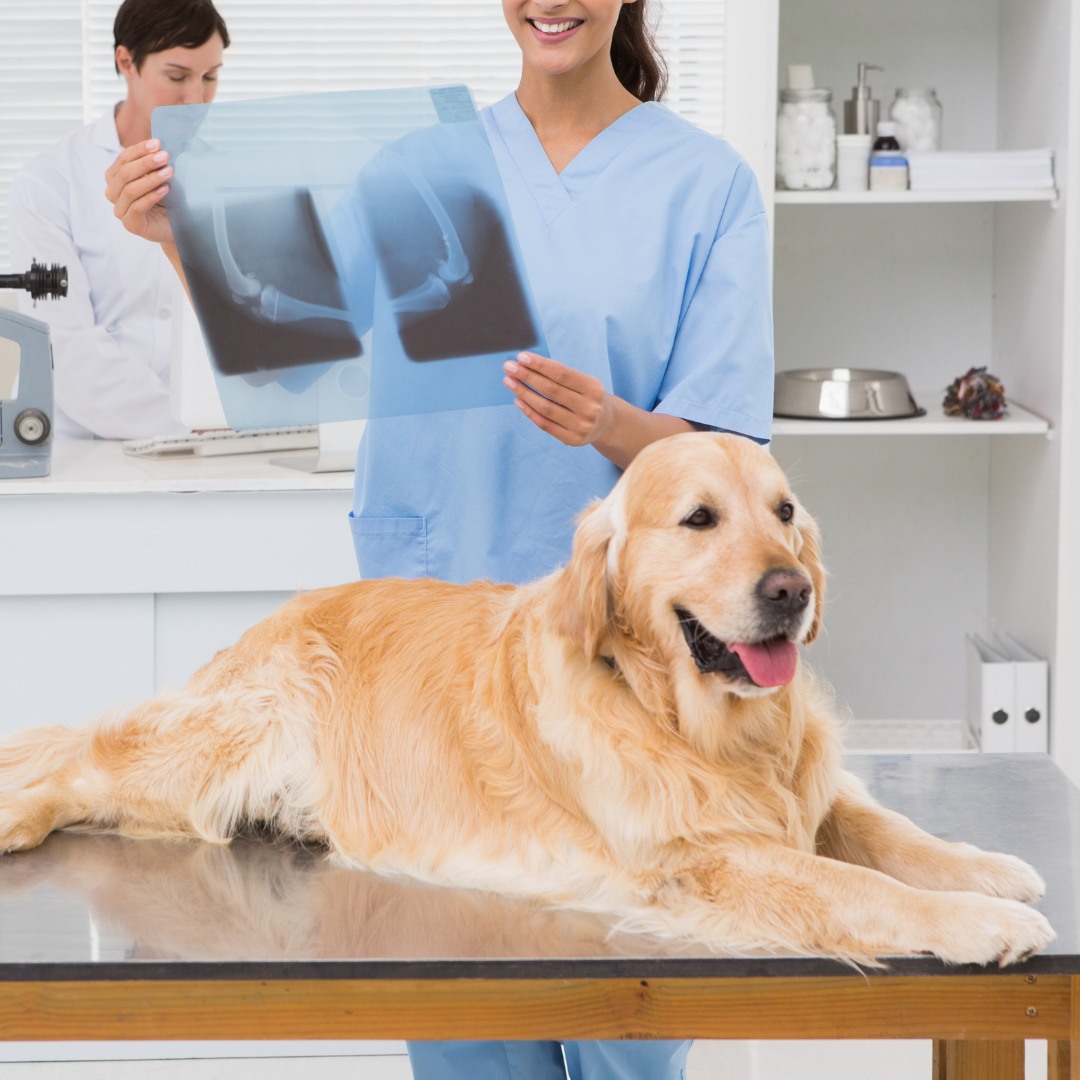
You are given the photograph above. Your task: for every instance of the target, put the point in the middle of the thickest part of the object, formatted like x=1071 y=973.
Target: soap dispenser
x=862 y=112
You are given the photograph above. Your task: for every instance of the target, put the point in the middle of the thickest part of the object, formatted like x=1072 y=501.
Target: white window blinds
x=41 y=86
x=56 y=67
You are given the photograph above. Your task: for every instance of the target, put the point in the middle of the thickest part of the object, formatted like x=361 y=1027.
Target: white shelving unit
x=901 y=198
x=936 y=526
x=1019 y=421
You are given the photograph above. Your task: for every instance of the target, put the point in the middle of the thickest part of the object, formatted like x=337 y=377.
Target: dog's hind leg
x=31 y=805
x=184 y=764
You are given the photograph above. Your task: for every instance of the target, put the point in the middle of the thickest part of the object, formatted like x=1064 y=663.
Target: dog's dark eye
x=786 y=512
x=701 y=518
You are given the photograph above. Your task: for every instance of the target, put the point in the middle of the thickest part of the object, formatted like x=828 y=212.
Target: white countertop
x=118 y=524
x=100 y=466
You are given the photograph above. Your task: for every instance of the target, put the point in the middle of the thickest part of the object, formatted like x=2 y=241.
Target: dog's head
x=702 y=555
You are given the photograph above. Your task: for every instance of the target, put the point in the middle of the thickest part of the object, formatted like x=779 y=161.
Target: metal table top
x=89 y=907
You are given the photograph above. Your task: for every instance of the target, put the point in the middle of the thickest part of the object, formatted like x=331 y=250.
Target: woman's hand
x=136 y=182
x=567 y=404
x=576 y=409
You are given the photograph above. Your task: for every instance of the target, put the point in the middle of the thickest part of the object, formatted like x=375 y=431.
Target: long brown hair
x=634 y=55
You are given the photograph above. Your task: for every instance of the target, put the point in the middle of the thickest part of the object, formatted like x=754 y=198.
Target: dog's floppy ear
x=582 y=598
x=810 y=557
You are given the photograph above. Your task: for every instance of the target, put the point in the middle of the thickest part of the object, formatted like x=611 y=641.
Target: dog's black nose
x=786 y=591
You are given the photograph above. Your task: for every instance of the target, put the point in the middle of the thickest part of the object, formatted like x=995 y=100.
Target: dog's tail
x=32 y=756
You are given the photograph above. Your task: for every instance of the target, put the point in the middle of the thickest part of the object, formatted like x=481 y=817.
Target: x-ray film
x=349 y=254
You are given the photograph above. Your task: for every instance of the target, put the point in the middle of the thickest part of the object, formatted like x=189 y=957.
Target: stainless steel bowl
x=843 y=394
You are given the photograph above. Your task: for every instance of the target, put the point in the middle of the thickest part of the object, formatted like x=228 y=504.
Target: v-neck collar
x=554 y=191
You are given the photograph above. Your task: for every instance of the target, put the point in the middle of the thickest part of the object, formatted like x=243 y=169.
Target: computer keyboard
x=215 y=443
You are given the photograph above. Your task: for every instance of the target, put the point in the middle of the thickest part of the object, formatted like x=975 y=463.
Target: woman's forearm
x=172 y=253
x=631 y=429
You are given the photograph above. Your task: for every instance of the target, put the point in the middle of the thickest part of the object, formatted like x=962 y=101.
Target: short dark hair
x=635 y=57
x=149 y=26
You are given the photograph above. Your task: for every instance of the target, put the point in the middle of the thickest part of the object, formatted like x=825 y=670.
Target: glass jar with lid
x=805 y=140
x=917 y=114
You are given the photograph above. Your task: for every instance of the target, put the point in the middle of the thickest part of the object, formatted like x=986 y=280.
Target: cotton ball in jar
x=805 y=140
x=917 y=114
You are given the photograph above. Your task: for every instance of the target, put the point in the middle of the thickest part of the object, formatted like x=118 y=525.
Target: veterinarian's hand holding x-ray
x=136 y=183
x=574 y=408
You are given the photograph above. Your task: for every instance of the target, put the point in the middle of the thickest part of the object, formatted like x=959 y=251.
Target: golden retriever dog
x=633 y=734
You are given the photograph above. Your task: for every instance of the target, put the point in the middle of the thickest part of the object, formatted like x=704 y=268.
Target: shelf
x=907 y=736
x=849 y=198
x=935 y=422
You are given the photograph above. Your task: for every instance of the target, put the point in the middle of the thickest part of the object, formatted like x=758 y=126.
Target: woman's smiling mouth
x=554 y=28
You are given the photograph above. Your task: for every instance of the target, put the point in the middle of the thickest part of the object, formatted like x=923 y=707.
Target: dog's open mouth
x=764 y=663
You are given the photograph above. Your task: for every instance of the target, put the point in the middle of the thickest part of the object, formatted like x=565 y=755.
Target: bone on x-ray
x=348 y=254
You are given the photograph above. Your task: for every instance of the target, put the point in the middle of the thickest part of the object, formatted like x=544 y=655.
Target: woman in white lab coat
x=112 y=335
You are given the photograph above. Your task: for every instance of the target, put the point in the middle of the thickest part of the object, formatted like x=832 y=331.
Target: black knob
x=39 y=281
x=999 y=716
x=32 y=427
x=1033 y=716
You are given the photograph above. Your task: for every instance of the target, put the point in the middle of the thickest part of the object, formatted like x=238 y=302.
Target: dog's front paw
x=1005 y=876
x=986 y=930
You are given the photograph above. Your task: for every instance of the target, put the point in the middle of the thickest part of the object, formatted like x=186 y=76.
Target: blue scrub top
x=648 y=257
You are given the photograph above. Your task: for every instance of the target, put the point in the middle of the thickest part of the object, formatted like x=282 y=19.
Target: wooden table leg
x=1057 y=1060
x=978 y=1059
x=1063 y=1055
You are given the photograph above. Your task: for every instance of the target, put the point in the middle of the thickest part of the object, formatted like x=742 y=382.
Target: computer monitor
x=193 y=392
x=196 y=403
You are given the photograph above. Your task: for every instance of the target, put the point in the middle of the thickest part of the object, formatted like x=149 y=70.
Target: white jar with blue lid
x=888 y=164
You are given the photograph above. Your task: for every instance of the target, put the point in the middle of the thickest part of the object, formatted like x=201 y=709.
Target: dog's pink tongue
x=769 y=663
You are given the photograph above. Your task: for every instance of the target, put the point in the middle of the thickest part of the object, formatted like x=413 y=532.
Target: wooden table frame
x=978 y=1022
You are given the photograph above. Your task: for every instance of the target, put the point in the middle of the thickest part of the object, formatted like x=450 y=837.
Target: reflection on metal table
x=103 y=937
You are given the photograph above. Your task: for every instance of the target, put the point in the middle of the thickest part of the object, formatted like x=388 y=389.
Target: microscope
x=26 y=376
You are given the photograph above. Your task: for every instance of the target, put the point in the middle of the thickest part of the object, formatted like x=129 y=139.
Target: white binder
x=991 y=697
x=1031 y=697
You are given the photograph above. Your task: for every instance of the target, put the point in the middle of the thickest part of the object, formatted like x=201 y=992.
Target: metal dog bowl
x=843 y=394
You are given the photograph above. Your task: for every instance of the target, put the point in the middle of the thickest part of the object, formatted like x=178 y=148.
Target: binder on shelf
x=991 y=697
x=1031 y=696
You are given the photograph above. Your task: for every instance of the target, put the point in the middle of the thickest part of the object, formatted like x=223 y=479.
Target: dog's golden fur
x=585 y=738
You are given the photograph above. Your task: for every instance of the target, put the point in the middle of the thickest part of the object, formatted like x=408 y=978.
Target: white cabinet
x=134 y=572
x=933 y=530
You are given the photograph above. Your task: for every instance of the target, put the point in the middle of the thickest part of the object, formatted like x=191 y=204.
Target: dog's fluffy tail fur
x=33 y=756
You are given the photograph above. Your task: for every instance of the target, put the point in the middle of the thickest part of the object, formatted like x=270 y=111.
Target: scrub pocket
x=390 y=547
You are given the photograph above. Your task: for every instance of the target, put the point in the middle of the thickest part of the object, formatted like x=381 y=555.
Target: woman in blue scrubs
x=646 y=247
x=645 y=243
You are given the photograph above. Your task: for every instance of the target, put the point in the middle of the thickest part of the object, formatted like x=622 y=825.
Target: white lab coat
x=112 y=334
